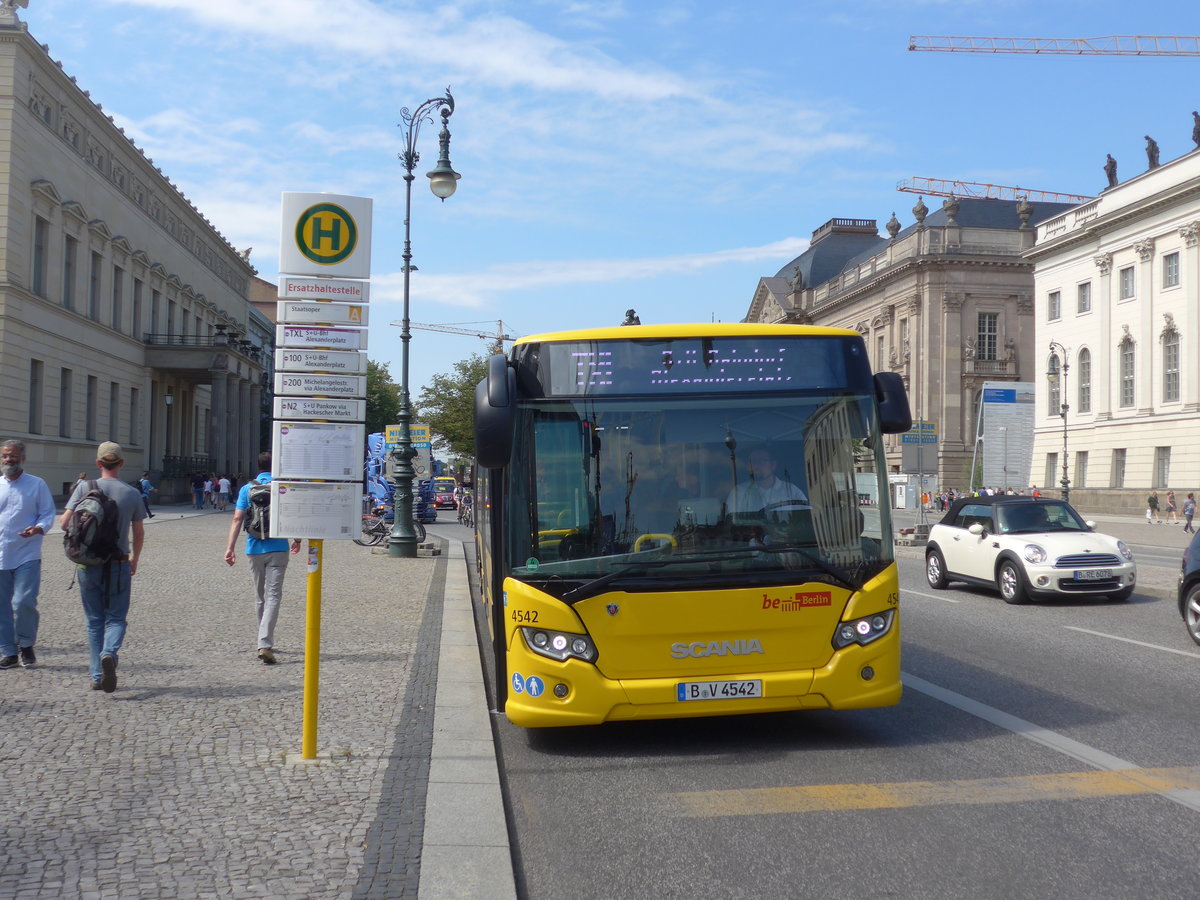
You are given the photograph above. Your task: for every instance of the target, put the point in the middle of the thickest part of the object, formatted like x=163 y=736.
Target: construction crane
x=938 y=187
x=498 y=336
x=1113 y=45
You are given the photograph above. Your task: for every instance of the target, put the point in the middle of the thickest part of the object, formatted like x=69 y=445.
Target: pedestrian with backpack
x=26 y=513
x=268 y=556
x=100 y=517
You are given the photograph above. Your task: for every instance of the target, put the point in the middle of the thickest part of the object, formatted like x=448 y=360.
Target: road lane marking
x=901 y=795
x=1113 y=637
x=930 y=596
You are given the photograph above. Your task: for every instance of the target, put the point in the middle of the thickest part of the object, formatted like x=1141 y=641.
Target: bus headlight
x=863 y=631
x=559 y=645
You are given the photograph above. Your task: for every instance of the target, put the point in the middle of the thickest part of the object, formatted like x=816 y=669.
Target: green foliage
x=447 y=405
x=383 y=398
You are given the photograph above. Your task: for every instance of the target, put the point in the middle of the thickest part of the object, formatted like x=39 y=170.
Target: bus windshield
x=711 y=490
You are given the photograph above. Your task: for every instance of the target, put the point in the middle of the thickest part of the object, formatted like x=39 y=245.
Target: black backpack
x=258 y=516
x=91 y=537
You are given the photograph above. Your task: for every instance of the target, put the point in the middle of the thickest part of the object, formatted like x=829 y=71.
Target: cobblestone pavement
x=186 y=782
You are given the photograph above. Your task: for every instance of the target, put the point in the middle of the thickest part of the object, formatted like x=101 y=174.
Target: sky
x=656 y=155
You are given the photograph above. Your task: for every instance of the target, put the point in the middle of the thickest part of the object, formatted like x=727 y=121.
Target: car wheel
x=1191 y=612
x=1121 y=595
x=1011 y=582
x=935 y=570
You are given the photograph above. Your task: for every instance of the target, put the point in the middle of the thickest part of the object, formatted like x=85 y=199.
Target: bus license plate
x=1093 y=574
x=719 y=690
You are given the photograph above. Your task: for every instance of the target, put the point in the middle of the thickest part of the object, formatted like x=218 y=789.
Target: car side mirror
x=1091 y=526
x=976 y=529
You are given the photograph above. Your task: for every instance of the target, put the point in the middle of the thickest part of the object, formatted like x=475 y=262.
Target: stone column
x=245 y=464
x=1146 y=388
x=255 y=423
x=216 y=420
x=1189 y=271
x=233 y=415
x=1103 y=356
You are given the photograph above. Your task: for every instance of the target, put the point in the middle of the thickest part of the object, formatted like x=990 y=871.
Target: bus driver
x=765 y=490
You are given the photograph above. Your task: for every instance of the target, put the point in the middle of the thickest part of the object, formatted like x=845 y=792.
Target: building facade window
x=1054 y=306
x=1170 y=384
x=135 y=398
x=92 y=412
x=1127 y=282
x=1170 y=270
x=1051 y=469
x=1054 y=395
x=36 y=395
x=1081 y=467
x=94 y=288
x=1117 y=479
x=114 y=407
x=70 y=256
x=1083 y=298
x=989 y=334
x=1128 y=384
x=64 y=403
x=1162 y=467
x=135 y=327
x=155 y=303
x=1085 y=380
x=118 y=287
x=41 y=253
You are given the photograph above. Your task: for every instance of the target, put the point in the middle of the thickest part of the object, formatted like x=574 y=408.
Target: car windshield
x=750 y=491
x=1031 y=518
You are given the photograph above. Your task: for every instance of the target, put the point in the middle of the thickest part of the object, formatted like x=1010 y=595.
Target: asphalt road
x=1046 y=750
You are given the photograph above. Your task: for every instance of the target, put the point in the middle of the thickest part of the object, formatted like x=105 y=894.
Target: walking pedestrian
x=197 y=491
x=147 y=489
x=1172 y=510
x=104 y=589
x=1152 y=508
x=1189 y=510
x=223 y=490
x=26 y=513
x=268 y=558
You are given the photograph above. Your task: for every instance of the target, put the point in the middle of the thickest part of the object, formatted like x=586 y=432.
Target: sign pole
x=312 y=652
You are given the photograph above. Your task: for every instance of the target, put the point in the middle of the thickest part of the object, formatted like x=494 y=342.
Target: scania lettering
x=684 y=520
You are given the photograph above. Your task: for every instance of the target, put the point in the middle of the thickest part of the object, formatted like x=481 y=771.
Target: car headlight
x=1034 y=554
x=1125 y=551
x=864 y=630
x=559 y=645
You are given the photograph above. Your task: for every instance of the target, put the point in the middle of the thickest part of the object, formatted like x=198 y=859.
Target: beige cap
x=109 y=452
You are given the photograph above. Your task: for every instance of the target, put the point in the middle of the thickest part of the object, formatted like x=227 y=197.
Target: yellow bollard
x=312 y=652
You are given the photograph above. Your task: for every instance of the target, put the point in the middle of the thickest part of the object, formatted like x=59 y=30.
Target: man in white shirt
x=764 y=490
x=26 y=513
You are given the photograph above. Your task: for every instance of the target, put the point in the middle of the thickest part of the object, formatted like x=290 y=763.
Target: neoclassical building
x=1117 y=286
x=947 y=302
x=124 y=315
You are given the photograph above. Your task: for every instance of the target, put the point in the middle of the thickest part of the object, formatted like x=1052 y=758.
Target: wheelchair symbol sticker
x=518 y=683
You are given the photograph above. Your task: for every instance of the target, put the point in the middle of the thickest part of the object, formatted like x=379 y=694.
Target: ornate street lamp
x=442 y=181
x=1052 y=375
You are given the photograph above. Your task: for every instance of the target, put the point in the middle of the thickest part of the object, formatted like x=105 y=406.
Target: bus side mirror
x=894 y=414
x=495 y=414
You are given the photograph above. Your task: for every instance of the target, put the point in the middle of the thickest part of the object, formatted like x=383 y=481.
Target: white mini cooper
x=1027 y=548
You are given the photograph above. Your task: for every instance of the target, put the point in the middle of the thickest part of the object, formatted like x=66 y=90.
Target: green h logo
x=326 y=234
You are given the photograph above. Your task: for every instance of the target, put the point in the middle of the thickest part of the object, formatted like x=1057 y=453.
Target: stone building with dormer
x=947 y=302
x=124 y=315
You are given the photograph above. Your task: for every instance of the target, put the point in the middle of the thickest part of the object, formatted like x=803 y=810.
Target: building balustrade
x=181 y=466
x=989 y=367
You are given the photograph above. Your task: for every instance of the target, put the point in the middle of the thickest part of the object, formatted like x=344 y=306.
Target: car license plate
x=719 y=690
x=1093 y=574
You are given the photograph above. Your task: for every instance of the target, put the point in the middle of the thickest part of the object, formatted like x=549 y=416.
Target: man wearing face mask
x=26 y=514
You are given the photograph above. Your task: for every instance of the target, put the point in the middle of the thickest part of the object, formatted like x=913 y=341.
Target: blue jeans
x=18 y=606
x=104 y=591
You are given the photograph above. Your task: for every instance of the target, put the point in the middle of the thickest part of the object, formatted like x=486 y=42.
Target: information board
x=316 y=510
x=318 y=450
x=339 y=362
x=346 y=290
x=320 y=312
x=317 y=336
x=304 y=384
x=332 y=409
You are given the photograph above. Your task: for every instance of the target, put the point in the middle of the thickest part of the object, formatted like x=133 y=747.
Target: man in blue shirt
x=26 y=513
x=268 y=562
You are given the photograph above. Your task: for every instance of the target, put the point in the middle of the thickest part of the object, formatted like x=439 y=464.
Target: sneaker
x=28 y=657
x=267 y=656
x=95 y=685
x=8 y=662
x=108 y=673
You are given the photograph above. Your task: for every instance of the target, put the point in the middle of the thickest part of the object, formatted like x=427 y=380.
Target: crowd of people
x=942 y=500
x=213 y=491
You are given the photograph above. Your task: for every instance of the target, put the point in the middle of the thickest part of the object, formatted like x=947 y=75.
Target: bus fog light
x=867 y=673
x=541 y=639
x=560 y=690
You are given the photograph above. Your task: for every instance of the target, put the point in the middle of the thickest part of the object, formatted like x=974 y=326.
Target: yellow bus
x=687 y=520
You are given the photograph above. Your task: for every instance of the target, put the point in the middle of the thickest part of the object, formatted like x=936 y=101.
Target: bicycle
x=376 y=529
x=466 y=510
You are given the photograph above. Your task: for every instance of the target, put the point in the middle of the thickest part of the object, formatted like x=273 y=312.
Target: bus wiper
x=590 y=588
x=818 y=562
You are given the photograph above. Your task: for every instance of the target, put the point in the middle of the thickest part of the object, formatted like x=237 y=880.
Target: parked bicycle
x=377 y=528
